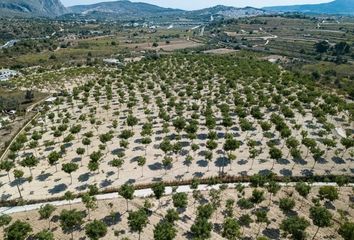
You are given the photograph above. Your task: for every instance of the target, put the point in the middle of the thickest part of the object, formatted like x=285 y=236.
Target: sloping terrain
x=335 y=7
x=123 y=8
x=226 y=11
x=31 y=8
x=127 y=9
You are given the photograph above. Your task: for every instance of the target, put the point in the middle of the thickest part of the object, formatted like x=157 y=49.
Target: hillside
x=127 y=9
x=226 y=11
x=335 y=7
x=31 y=8
x=123 y=8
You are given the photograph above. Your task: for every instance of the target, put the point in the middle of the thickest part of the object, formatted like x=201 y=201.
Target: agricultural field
x=68 y=48
x=229 y=211
x=170 y=120
x=289 y=36
x=58 y=80
x=322 y=45
x=19 y=101
x=222 y=123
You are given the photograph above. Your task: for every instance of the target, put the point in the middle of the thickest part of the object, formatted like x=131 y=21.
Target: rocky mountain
x=345 y=7
x=123 y=9
x=32 y=8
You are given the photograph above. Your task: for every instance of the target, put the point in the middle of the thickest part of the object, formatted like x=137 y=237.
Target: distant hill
x=31 y=8
x=345 y=7
x=123 y=9
x=230 y=12
x=126 y=9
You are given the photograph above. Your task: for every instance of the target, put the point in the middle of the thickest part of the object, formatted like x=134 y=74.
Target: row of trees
x=233 y=223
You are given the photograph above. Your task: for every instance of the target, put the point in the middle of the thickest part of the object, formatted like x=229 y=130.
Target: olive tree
x=96 y=229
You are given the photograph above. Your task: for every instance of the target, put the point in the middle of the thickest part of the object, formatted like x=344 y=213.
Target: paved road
x=142 y=193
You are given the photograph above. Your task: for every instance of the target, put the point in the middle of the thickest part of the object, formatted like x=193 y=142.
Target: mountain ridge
x=344 y=7
x=121 y=6
x=138 y=9
x=125 y=9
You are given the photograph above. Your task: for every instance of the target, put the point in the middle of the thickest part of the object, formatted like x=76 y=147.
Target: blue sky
x=198 y=4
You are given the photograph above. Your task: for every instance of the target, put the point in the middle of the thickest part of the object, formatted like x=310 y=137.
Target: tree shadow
x=58 y=188
x=202 y=136
x=262 y=160
x=49 y=149
x=220 y=135
x=155 y=166
x=184 y=152
x=43 y=177
x=158 y=132
x=219 y=151
x=82 y=187
x=271 y=233
x=265 y=172
x=117 y=151
x=18 y=181
x=84 y=177
x=307 y=172
x=112 y=219
x=338 y=160
x=76 y=159
x=130 y=181
x=184 y=143
x=322 y=161
x=198 y=174
x=68 y=145
x=110 y=173
x=185 y=218
x=221 y=162
x=300 y=161
x=5 y=196
x=329 y=205
x=134 y=159
x=138 y=148
x=243 y=173
x=242 y=162
x=286 y=172
x=179 y=177
x=106 y=183
x=282 y=161
x=290 y=213
x=202 y=163
x=158 y=138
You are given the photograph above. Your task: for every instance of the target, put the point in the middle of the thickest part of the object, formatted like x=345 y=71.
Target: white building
x=50 y=100
x=6 y=74
x=112 y=61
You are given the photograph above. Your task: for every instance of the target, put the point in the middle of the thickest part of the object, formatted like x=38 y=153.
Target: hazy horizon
x=192 y=5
